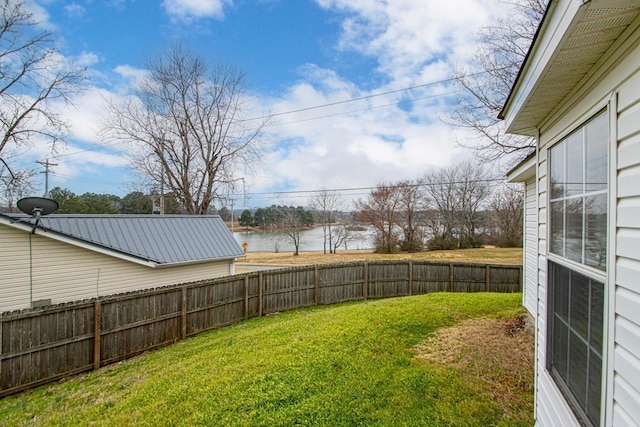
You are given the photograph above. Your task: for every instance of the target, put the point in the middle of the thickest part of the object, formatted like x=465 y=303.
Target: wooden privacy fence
x=42 y=345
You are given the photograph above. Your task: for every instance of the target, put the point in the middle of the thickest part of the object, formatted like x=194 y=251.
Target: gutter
x=198 y=261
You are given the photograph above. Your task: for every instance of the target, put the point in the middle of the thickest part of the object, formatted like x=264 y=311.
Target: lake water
x=310 y=240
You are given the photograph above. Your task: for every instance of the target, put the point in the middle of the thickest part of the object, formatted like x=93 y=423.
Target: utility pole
x=46 y=165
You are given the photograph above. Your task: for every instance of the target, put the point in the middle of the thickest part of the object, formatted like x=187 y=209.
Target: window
x=575 y=296
x=578 y=195
x=574 y=350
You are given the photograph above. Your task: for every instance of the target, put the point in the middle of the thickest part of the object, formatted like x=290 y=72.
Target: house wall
x=63 y=272
x=616 y=85
x=626 y=330
x=14 y=269
x=530 y=291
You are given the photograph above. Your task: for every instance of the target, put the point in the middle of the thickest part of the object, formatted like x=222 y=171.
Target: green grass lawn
x=350 y=364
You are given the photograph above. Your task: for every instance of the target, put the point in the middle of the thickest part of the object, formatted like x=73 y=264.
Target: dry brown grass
x=490 y=255
x=496 y=354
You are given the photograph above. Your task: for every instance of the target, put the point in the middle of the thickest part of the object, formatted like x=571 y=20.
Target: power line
x=84 y=179
x=344 y=113
x=348 y=189
x=331 y=104
x=315 y=107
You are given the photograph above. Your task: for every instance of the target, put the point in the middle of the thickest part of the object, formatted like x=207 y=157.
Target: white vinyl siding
x=626 y=360
x=14 y=269
x=530 y=291
x=622 y=371
x=63 y=272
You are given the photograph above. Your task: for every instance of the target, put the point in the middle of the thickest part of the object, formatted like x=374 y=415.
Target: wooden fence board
x=340 y=283
x=45 y=344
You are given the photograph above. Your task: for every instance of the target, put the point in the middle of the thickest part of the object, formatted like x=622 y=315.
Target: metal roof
x=547 y=78
x=162 y=239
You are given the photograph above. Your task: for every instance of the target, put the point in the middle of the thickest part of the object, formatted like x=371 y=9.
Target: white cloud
x=405 y=36
x=195 y=9
x=87 y=59
x=40 y=15
x=131 y=75
x=414 y=42
x=364 y=143
x=350 y=149
x=75 y=10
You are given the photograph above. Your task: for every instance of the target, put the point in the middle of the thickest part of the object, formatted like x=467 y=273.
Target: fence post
x=246 y=297
x=260 y=285
x=410 y=278
x=520 y=279
x=365 y=282
x=97 y=311
x=451 y=288
x=183 y=313
x=315 y=284
x=488 y=278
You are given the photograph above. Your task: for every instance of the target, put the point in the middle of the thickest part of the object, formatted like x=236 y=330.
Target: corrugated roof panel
x=165 y=239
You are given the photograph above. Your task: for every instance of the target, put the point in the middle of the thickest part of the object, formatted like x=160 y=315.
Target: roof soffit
x=554 y=72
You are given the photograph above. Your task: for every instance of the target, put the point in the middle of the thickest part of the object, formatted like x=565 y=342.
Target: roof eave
x=523 y=171
x=548 y=37
x=566 y=39
x=199 y=261
x=54 y=235
x=502 y=113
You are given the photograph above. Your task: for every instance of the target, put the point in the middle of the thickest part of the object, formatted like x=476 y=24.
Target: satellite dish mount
x=37 y=207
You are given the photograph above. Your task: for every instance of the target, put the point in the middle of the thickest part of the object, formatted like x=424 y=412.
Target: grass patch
x=353 y=364
x=508 y=256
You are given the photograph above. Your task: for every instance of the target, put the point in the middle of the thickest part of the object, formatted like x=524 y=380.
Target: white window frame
x=607 y=108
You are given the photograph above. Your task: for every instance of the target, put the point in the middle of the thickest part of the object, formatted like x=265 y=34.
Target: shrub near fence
x=42 y=345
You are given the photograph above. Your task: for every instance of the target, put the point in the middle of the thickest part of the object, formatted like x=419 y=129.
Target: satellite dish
x=37 y=207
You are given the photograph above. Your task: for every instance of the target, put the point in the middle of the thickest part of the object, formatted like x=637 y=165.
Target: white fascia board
x=523 y=172
x=563 y=13
x=199 y=261
x=27 y=227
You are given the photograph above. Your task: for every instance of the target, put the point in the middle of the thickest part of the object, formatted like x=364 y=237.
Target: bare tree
x=324 y=203
x=501 y=50
x=507 y=205
x=380 y=209
x=33 y=75
x=15 y=186
x=411 y=203
x=189 y=125
x=341 y=236
x=292 y=221
x=442 y=208
x=473 y=191
x=455 y=196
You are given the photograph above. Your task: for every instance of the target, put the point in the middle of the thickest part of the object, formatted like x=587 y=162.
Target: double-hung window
x=577 y=265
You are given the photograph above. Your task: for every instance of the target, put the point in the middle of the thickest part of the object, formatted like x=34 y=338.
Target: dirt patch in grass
x=495 y=354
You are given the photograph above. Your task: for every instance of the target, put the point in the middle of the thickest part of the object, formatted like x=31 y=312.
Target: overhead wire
x=360 y=98
x=276 y=194
x=330 y=104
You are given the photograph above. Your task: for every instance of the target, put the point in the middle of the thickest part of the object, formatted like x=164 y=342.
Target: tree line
x=135 y=202
x=451 y=208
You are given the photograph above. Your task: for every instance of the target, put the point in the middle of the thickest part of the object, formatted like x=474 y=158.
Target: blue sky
x=296 y=54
